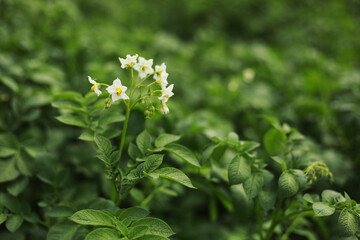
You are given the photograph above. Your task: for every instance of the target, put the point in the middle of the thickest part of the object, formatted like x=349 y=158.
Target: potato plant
x=249 y=130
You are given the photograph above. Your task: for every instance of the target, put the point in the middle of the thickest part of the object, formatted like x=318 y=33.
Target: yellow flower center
x=166 y=96
x=93 y=88
x=143 y=68
x=118 y=91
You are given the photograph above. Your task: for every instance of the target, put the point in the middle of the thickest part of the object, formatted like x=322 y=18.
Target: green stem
x=259 y=214
x=132 y=78
x=274 y=220
x=142 y=98
x=293 y=224
x=144 y=79
x=123 y=134
x=148 y=199
x=298 y=212
x=115 y=191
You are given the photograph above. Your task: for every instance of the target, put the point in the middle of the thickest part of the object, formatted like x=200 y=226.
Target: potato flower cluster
x=117 y=91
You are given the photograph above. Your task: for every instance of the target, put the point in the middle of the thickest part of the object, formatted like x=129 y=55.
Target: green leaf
x=72 y=120
x=121 y=227
x=311 y=198
x=60 y=211
x=247 y=146
x=25 y=163
x=9 y=145
x=102 y=204
x=93 y=217
x=267 y=199
x=3 y=217
x=206 y=154
x=62 y=231
x=273 y=141
x=136 y=173
x=332 y=196
x=143 y=141
x=322 y=209
x=17 y=186
x=152 y=162
x=103 y=234
x=233 y=140
x=137 y=232
x=69 y=105
x=348 y=223
x=288 y=186
x=152 y=237
x=348 y=199
x=10 y=202
x=10 y=83
x=87 y=135
x=155 y=226
x=164 y=139
x=13 y=222
x=281 y=162
x=7 y=151
x=253 y=185
x=73 y=96
x=184 y=153
x=173 y=174
x=104 y=145
x=239 y=170
x=8 y=171
x=129 y=215
x=134 y=151
x=111 y=117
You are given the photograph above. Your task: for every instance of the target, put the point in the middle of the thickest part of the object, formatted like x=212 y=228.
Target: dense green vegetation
x=267 y=97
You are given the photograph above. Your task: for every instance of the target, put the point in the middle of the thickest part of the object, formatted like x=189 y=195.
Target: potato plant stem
x=259 y=214
x=123 y=134
x=274 y=220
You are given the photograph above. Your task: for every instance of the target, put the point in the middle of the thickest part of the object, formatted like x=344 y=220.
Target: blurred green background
x=231 y=62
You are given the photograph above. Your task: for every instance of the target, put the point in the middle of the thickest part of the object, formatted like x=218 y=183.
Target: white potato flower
x=159 y=70
x=164 y=108
x=129 y=61
x=117 y=90
x=163 y=80
x=166 y=93
x=144 y=67
x=95 y=86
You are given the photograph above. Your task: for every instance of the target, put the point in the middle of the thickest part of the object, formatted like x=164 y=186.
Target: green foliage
x=164 y=139
x=13 y=222
x=323 y=209
x=152 y=162
x=256 y=176
x=131 y=223
x=348 y=223
x=62 y=230
x=93 y=217
x=143 y=141
x=173 y=174
x=183 y=152
x=253 y=185
x=288 y=185
x=239 y=170
x=103 y=233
